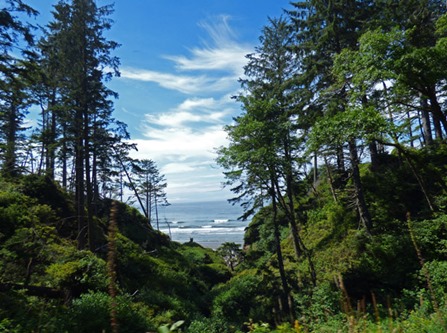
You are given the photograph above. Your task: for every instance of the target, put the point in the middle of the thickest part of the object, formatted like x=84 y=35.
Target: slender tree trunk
x=437 y=126
x=52 y=148
x=360 y=203
x=148 y=200
x=88 y=183
x=374 y=155
x=44 y=145
x=330 y=180
x=426 y=126
x=372 y=145
x=121 y=187
x=410 y=130
x=94 y=178
x=439 y=118
x=131 y=184
x=10 y=159
x=64 y=156
x=79 y=180
x=156 y=211
x=340 y=159
x=285 y=286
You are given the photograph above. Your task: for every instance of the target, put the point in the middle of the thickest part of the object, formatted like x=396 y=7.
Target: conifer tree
x=77 y=45
x=150 y=185
x=14 y=94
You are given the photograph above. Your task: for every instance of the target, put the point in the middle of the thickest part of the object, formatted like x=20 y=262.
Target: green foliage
x=33 y=186
x=361 y=73
x=436 y=272
x=134 y=226
x=91 y=313
x=231 y=253
x=239 y=298
x=322 y=305
x=171 y=328
x=431 y=235
x=354 y=123
x=79 y=270
x=210 y=325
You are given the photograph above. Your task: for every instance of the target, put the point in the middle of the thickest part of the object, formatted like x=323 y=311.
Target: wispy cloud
x=180 y=144
x=223 y=53
x=207 y=111
x=186 y=84
x=195 y=103
x=183 y=138
x=215 y=66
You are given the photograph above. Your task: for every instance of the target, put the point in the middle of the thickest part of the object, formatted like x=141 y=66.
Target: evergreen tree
x=14 y=94
x=150 y=185
x=76 y=43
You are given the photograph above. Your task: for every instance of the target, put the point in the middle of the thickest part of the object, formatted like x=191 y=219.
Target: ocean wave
x=221 y=220
x=204 y=230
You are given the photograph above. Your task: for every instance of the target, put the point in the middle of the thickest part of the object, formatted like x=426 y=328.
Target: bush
x=91 y=313
x=240 y=298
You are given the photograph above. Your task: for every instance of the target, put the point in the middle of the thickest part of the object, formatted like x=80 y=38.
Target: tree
x=76 y=43
x=14 y=97
x=231 y=253
x=251 y=162
x=15 y=101
x=323 y=30
x=273 y=74
x=150 y=185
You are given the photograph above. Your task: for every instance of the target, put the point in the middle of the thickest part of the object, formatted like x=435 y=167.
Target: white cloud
x=193 y=110
x=226 y=58
x=192 y=84
x=222 y=60
x=176 y=119
x=180 y=143
x=223 y=53
x=183 y=138
x=172 y=168
x=195 y=103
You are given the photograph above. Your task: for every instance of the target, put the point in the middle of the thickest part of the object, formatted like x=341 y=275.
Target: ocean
x=208 y=223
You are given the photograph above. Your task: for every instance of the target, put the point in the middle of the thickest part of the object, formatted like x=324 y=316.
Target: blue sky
x=180 y=64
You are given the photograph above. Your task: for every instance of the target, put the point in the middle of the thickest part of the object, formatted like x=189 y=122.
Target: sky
x=180 y=65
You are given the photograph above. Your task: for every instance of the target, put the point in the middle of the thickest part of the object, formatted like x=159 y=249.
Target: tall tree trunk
x=156 y=211
x=79 y=180
x=426 y=125
x=52 y=148
x=132 y=185
x=372 y=145
x=88 y=183
x=340 y=159
x=374 y=155
x=44 y=145
x=330 y=179
x=437 y=126
x=10 y=159
x=148 y=200
x=64 y=156
x=439 y=118
x=360 y=203
x=94 y=178
x=285 y=286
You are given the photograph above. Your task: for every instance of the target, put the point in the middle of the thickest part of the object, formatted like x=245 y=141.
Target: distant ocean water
x=208 y=223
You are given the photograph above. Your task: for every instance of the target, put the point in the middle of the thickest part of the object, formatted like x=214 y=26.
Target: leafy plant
x=171 y=328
